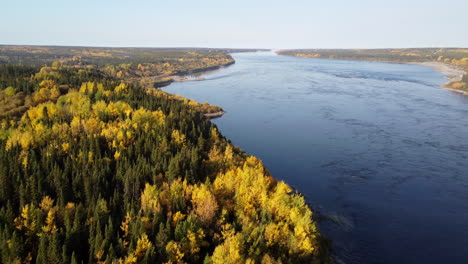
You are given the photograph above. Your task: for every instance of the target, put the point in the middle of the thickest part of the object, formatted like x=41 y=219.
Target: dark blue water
x=379 y=149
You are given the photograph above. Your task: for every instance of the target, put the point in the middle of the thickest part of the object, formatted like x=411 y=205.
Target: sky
x=236 y=24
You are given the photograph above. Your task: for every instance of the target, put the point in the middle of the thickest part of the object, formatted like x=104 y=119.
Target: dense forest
x=150 y=66
x=99 y=168
x=453 y=56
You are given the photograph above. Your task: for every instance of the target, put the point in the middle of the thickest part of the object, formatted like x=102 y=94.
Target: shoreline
x=453 y=73
x=324 y=242
x=454 y=90
x=214 y=115
x=181 y=76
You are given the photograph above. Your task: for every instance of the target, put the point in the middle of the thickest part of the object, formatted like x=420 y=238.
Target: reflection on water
x=378 y=149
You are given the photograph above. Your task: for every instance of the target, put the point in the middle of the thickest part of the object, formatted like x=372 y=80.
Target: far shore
x=455 y=74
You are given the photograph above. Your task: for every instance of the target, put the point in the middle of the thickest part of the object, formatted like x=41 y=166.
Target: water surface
x=378 y=148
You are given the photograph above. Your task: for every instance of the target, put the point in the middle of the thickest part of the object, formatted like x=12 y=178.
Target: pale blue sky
x=236 y=24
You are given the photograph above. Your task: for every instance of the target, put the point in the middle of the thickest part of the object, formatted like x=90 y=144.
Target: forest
x=100 y=167
x=457 y=57
x=150 y=66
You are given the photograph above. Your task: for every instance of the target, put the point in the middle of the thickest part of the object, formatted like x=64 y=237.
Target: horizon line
x=226 y=48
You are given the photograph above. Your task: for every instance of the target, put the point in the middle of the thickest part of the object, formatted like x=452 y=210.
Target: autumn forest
x=98 y=166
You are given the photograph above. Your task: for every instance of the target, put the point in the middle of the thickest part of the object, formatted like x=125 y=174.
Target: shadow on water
x=377 y=149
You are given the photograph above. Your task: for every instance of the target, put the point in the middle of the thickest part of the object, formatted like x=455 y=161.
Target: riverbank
x=322 y=245
x=214 y=115
x=150 y=145
x=455 y=74
x=349 y=162
x=451 y=61
x=162 y=81
x=209 y=111
x=178 y=78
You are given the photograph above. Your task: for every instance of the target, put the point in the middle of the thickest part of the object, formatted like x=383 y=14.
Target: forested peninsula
x=98 y=166
x=455 y=59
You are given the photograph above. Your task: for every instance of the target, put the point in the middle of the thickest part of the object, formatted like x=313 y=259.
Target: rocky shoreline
x=455 y=73
x=214 y=115
x=180 y=76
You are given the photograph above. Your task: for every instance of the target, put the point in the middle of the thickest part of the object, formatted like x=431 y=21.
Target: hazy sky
x=237 y=24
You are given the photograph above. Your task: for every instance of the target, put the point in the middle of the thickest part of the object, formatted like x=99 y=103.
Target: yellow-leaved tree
x=204 y=203
x=150 y=199
x=229 y=252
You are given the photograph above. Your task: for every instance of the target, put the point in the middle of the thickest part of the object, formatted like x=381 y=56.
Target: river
x=377 y=148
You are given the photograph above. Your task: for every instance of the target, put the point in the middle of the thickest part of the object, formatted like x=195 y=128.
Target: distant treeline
x=146 y=65
x=45 y=55
x=456 y=56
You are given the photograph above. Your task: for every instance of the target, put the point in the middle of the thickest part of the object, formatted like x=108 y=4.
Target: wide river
x=378 y=149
